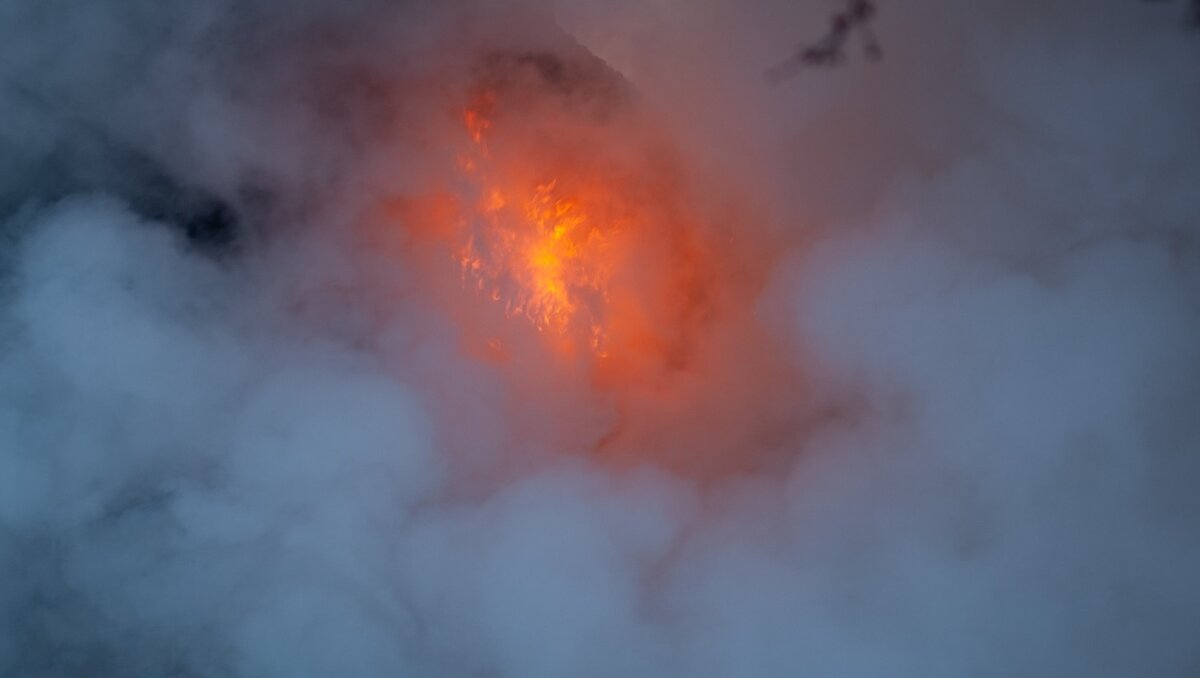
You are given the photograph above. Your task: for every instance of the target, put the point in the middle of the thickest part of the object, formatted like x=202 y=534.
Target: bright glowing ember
x=534 y=247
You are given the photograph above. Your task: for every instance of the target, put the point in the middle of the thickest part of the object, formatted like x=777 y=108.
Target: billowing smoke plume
x=902 y=375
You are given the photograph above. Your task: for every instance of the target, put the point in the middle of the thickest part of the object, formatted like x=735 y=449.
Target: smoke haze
x=903 y=375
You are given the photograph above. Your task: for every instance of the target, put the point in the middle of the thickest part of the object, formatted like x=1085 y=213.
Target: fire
x=534 y=247
x=570 y=250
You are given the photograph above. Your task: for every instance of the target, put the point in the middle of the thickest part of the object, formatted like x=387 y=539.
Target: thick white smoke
x=240 y=435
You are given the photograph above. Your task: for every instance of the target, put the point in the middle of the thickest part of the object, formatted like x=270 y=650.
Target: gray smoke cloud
x=934 y=415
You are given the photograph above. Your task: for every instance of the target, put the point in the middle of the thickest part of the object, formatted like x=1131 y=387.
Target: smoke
x=904 y=375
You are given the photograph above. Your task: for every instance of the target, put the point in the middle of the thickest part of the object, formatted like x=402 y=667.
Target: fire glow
x=561 y=233
x=535 y=249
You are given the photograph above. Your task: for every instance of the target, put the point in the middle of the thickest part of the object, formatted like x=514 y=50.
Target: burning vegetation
x=533 y=248
x=569 y=217
x=577 y=254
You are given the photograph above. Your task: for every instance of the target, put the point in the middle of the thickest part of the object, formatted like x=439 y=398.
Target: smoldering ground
x=934 y=414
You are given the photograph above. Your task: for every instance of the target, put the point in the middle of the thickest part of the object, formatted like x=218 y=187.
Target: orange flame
x=534 y=249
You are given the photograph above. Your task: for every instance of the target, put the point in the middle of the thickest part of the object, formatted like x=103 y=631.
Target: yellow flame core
x=533 y=249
